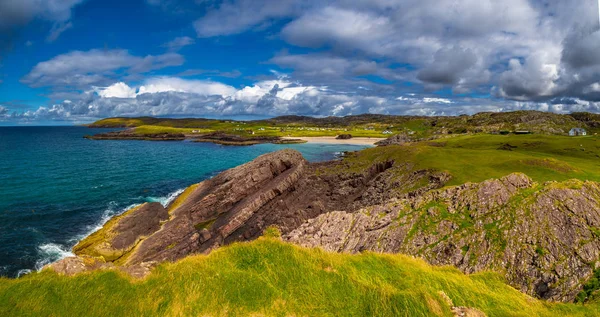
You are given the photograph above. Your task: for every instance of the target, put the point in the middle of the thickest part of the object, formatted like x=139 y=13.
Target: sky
x=75 y=61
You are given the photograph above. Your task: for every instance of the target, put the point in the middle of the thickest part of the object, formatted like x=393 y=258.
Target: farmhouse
x=577 y=132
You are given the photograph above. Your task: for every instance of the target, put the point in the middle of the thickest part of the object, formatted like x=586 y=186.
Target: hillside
x=545 y=237
x=366 y=125
x=269 y=278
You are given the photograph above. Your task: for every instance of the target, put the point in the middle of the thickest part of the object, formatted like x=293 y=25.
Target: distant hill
x=488 y=122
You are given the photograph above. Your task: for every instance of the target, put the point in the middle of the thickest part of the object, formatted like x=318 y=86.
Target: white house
x=387 y=132
x=577 y=132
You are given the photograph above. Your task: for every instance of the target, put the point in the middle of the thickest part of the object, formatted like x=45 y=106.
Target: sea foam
x=165 y=201
x=51 y=252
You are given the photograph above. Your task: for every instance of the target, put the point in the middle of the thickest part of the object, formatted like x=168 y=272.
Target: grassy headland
x=270 y=278
x=367 y=125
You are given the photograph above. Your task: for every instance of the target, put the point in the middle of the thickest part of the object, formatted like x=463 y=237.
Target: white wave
x=172 y=197
x=165 y=201
x=50 y=253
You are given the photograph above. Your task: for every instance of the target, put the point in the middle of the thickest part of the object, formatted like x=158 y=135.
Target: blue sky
x=74 y=61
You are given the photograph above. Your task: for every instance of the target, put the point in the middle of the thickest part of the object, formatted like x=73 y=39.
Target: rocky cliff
x=279 y=189
x=544 y=237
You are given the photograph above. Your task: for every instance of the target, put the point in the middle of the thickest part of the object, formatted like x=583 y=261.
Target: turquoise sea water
x=57 y=187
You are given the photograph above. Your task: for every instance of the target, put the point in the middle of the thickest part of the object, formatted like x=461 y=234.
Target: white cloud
x=200 y=87
x=94 y=67
x=237 y=16
x=540 y=53
x=466 y=45
x=118 y=90
x=177 y=97
x=339 y=27
x=179 y=43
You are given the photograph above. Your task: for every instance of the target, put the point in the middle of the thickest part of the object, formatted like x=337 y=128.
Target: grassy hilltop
x=270 y=278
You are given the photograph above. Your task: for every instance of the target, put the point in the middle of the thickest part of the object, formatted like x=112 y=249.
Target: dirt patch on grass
x=507 y=147
x=550 y=164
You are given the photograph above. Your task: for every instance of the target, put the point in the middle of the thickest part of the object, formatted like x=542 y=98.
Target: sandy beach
x=333 y=140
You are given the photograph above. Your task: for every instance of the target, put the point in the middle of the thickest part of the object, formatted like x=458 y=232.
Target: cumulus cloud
x=353 y=56
x=449 y=66
x=168 y=96
x=94 y=67
x=199 y=87
x=516 y=49
x=117 y=90
x=339 y=27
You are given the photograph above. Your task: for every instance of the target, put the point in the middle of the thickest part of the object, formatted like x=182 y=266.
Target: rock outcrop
x=546 y=238
x=122 y=233
x=279 y=189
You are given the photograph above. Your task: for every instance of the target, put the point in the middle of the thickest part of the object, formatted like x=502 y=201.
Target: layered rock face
x=546 y=238
x=199 y=220
x=279 y=189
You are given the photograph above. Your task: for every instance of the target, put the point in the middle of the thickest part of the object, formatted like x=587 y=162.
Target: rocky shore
x=129 y=135
x=217 y=138
x=543 y=237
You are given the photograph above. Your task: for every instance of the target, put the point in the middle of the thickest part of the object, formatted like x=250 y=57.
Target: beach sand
x=333 y=140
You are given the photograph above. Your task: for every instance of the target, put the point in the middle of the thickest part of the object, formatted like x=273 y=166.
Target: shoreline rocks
x=217 y=138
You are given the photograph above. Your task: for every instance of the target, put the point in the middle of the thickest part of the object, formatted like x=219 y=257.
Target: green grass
x=268 y=131
x=270 y=278
x=148 y=125
x=475 y=158
x=591 y=288
x=151 y=129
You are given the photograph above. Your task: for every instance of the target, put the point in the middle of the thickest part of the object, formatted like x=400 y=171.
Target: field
x=475 y=158
x=270 y=278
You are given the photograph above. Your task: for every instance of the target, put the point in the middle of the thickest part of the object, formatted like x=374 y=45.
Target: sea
x=56 y=187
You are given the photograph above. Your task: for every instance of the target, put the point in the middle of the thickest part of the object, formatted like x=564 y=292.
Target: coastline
x=333 y=140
